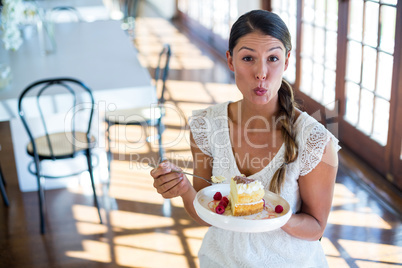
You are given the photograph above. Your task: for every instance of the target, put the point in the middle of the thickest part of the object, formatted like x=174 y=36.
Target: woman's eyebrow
x=248 y=48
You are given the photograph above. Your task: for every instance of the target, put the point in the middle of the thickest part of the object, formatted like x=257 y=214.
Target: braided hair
x=271 y=24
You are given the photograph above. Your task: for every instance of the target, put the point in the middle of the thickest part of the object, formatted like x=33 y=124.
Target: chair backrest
x=162 y=70
x=64 y=14
x=46 y=101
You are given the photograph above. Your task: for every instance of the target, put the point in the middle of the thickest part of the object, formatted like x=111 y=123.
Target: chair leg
x=109 y=154
x=91 y=174
x=41 y=196
x=2 y=188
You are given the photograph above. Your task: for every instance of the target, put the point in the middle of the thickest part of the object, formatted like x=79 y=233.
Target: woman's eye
x=273 y=58
x=248 y=58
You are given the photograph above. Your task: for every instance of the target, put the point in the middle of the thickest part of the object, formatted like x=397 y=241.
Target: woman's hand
x=170 y=184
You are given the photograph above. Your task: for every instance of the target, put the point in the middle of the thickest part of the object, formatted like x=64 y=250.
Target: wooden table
x=98 y=53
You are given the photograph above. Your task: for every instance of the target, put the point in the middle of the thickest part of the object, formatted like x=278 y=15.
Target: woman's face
x=258 y=62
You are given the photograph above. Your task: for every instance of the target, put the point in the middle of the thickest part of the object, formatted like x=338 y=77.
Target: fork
x=187 y=173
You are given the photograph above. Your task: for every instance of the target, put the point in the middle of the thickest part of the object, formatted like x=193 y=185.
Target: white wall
x=165 y=8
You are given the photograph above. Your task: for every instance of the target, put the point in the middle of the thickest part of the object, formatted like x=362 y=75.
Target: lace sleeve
x=313 y=148
x=200 y=127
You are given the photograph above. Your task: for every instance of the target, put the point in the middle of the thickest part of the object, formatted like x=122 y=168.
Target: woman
x=265 y=137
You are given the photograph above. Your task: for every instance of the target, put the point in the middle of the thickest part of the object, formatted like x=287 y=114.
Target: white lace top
x=221 y=248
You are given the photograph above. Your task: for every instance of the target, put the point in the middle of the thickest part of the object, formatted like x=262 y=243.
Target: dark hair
x=260 y=21
x=271 y=24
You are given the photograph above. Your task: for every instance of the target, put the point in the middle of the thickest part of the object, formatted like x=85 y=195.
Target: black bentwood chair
x=78 y=102
x=145 y=116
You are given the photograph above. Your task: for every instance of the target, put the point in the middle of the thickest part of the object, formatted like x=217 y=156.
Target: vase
x=5 y=76
x=46 y=37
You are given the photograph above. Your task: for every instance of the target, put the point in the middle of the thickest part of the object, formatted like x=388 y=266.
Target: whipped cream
x=249 y=187
x=218 y=179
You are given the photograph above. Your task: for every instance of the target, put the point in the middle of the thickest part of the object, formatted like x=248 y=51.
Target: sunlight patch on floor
x=372 y=251
x=85 y=228
x=351 y=218
x=138 y=221
x=343 y=196
x=368 y=264
x=329 y=247
x=134 y=257
x=93 y=250
x=87 y=214
x=160 y=242
x=184 y=91
x=223 y=92
x=336 y=262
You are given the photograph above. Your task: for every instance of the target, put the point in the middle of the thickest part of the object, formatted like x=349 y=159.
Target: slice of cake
x=246 y=196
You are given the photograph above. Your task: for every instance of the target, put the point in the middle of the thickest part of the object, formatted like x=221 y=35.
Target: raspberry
x=264 y=202
x=223 y=203
x=218 y=196
x=278 y=209
x=220 y=209
x=225 y=199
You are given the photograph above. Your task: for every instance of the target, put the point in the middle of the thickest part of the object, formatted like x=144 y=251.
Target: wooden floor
x=142 y=229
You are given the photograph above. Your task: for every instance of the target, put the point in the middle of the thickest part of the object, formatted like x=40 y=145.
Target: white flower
x=11 y=16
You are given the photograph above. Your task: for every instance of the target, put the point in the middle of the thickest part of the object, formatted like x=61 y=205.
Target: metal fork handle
x=183 y=172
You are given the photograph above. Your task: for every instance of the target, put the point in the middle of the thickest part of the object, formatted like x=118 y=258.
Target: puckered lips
x=259 y=91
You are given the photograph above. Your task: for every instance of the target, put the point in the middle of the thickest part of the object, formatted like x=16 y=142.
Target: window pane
x=352 y=103
x=182 y=5
x=307 y=37
x=205 y=17
x=366 y=111
x=319 y=48
x=369 y=67
x=319 y=13
x=276 y=5
x=292 y=26
x=388 y=20
x=306 y=80
x=308 y=11
x=329 y=87
x=353 y=68
x=392 y=2
x=329 y=79
x=319 y=41
x=318 y=85
x=287 y=11
x=356 y=20
x=371 y=24
x=193 y=10
x=381 y=120
x=293 y=7
x=329 y=98
x=290 y=73
x=384 y=79
x=330 y=60
x=332 y=15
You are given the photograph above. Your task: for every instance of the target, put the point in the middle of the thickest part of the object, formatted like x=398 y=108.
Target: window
x=319 y=50
x=216 y=16
x=370 y=61
x=287 y=10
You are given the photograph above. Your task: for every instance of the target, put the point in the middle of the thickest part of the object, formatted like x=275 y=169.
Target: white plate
x=253 y=223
